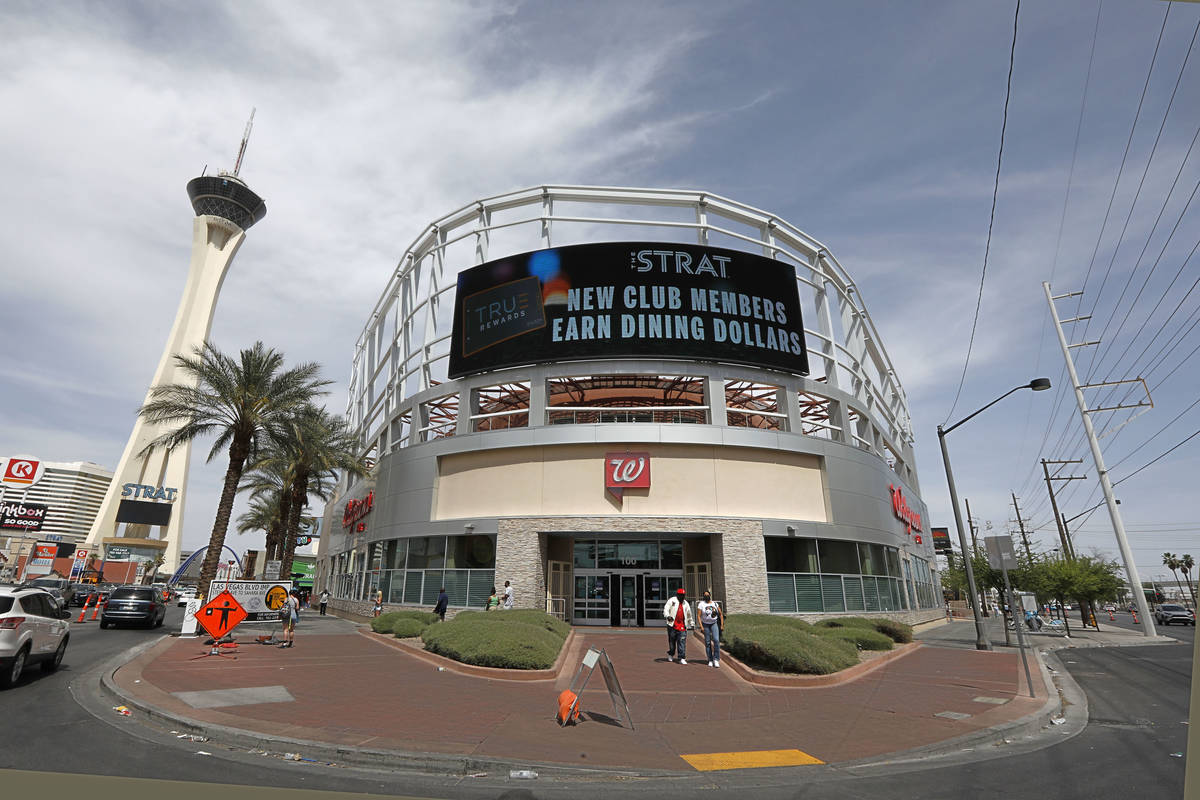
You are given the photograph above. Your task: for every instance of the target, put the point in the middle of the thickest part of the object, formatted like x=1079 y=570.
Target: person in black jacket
x=442 y=601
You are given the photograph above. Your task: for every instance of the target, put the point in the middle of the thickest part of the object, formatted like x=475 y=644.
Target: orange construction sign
x=220 y=615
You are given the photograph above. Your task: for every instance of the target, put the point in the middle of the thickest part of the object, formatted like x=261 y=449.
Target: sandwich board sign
x=262 y=600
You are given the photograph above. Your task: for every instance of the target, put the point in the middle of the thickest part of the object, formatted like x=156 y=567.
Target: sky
x=874 y=127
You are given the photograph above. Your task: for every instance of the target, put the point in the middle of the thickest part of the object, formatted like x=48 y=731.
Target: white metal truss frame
x=404 y=346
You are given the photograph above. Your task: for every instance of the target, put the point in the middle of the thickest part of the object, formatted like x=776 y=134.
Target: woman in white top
x=713 y=620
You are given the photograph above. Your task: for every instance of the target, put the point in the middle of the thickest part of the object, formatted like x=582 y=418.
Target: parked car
x=32 y=629
x=1110 y=607
x=1169 y=612
x=185 y=593
x=142 y=604
x=61 y=588
x=82 y=592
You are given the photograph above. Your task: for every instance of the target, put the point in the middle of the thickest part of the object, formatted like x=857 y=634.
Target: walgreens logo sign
x=901 y=508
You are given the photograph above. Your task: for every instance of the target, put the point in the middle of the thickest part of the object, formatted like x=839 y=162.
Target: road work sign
x=262 y=600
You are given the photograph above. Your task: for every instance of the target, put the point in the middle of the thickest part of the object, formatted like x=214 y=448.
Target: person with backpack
x=680 y=621
x=290 y=615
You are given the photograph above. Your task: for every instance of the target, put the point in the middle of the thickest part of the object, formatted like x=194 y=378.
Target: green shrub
x=407 y=627
x=506 y=639
x=427 y=617
x=786 y=648
x=861 y=637
x=384 y=622
x=897 y=631
x=744 y=621
x=846 y=622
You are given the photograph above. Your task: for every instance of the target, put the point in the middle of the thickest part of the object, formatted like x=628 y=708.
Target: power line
x=992 y=218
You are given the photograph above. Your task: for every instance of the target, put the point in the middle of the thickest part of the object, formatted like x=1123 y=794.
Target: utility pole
x=983 y=606
x=1021 y=524
x=1068 y=551
x=1110 y=499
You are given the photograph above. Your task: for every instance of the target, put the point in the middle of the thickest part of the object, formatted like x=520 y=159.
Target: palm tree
x=1171 y=562
x=268 y=481
x=237 y=400
x=316 y=444
x=1186 y=562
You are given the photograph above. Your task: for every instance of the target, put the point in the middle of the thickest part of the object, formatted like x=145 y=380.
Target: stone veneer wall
x=738 y=553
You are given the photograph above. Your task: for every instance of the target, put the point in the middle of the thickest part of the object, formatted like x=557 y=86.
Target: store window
x=822 y=576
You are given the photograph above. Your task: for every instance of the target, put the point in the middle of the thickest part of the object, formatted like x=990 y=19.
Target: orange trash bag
x=565 y=700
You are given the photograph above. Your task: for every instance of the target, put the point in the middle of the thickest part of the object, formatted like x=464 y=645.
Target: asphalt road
x=60 y=725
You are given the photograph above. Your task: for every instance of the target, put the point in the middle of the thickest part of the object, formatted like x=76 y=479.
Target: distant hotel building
x=71 y=492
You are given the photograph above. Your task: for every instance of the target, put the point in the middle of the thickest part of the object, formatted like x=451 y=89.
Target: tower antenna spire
x=237 y=167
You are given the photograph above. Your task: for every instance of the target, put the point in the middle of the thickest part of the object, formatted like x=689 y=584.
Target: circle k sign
x=21 y=472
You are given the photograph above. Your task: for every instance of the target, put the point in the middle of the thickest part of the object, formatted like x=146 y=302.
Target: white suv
x=31 y=629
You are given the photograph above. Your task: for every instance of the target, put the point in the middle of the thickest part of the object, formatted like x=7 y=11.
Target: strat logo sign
x=356 y=510
x=148 y=492
x=626 y=471
x=21 y=472
x=900 y=506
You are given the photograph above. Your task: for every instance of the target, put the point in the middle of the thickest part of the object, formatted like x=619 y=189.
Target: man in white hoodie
x=680 y=622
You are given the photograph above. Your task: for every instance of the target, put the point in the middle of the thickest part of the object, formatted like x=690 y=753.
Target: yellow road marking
x=706 y=762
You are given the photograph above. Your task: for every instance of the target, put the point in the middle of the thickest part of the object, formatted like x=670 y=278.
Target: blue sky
x=872 y=126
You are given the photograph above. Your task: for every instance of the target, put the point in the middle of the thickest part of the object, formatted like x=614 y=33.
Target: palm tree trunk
x=1191 y=590
x=272 y=542
x=285 y=508
x=299 y=500
x=238 y=450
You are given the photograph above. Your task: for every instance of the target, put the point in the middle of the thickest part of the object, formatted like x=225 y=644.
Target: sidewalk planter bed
x=898 y=632
x=782 y=644
x=863 y=638
x=514 y=639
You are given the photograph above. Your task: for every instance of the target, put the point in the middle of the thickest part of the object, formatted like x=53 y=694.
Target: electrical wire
x=992 y=218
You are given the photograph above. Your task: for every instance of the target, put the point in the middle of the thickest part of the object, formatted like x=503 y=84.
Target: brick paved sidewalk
x=344 y=688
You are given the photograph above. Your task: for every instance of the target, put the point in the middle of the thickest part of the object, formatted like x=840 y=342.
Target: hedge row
x=514 y=639
x=787 y=644
x=385 y=623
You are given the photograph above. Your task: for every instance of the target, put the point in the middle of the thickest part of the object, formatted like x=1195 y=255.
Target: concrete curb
x=753 y=676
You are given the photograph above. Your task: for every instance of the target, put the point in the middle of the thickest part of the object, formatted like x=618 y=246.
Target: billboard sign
x=21 y=472
x=116 y=553
x=23 y=516
x=43 y=559
x=941 y=539
x=262 y=600
x=628 y=300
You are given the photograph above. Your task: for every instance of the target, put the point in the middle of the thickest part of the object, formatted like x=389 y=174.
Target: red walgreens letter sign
x=626 y=471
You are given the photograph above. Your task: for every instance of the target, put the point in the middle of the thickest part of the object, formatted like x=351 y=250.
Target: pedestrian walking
x=324 y=600
x=290 y=615
x=378 y=602
x=508 y=595
x=678 y=613
x=493 y=601
x=712 y=619
x=442 y=601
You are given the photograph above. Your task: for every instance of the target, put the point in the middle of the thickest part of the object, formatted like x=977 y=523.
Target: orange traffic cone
x=83 y=610
x=96 y=612
x=1135 y=622
x=1111 y=618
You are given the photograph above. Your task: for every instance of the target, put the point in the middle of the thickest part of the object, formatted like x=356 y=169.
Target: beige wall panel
x=686 y=480
x=770 y=485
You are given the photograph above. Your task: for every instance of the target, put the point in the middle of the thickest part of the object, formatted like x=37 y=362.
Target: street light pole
x=981 y=640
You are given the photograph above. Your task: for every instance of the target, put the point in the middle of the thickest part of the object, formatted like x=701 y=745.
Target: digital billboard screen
x=628 y=300
x=140 y=512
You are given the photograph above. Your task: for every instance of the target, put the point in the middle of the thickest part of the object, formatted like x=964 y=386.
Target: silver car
x=1169 y=612
x=32 y=629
